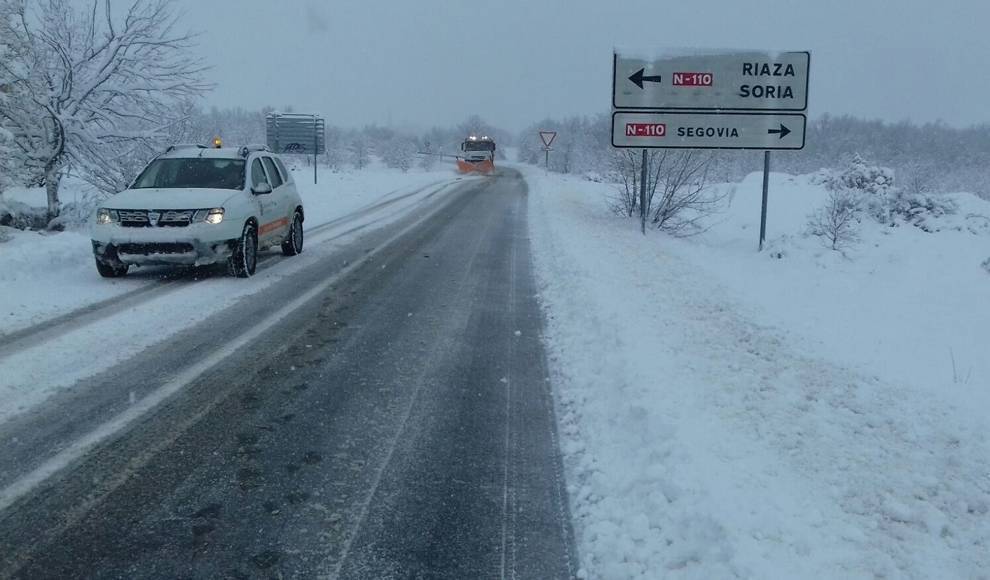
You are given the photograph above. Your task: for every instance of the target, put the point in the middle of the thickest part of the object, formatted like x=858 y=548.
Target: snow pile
x=726 y=413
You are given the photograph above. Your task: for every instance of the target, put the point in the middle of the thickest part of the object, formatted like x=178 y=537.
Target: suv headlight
x=107 y=216
x=210 y=216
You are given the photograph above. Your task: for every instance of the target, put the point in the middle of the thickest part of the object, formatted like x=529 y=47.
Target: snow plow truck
x=478 y=155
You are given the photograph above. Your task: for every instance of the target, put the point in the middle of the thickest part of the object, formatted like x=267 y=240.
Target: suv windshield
x=192 y=173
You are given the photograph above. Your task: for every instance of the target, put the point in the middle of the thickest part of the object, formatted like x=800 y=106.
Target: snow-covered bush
x=871 y=186
x=836 y=222
x=21 y=216
x=428 y=161
x=678 y=198
x=399 y=154
x=360 y=153
x=919 y=209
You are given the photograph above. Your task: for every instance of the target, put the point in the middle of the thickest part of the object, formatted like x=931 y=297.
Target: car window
x=273 y=173
x=195 y=173
x=286 y=176
x=257 y=174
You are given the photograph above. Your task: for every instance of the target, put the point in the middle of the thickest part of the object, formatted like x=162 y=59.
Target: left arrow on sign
x=783 y=131
x=638 y=78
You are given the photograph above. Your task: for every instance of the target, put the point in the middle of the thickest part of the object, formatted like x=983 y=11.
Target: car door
x=282 y=213
x=266 y=203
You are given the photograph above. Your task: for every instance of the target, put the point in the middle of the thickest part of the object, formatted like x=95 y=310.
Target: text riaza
x=767 y=90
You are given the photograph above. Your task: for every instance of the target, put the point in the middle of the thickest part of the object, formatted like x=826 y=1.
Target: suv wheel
x=293 y=244
x=110 y=270
x=244 y=261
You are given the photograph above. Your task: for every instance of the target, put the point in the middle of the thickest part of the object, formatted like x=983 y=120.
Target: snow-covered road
x=703 y=442
x=382 y=411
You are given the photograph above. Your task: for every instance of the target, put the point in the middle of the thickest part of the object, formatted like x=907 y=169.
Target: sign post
x=643 y=176
x=763 y=211
x=741 y=99
x=300 y=134
x=547 y=137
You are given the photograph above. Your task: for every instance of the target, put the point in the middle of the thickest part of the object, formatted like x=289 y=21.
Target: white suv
x=193 y=205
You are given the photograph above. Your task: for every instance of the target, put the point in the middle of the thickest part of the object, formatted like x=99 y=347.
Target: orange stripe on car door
x=265 y=228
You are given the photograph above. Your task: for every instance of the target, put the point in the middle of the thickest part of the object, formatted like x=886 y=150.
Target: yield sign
x=548 y=137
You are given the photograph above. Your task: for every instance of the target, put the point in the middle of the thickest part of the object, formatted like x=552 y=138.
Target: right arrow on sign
x=783 y=131
x=638 y=78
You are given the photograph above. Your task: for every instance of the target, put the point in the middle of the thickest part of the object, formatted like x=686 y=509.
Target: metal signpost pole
x=316 y=146
x=766 y=182
x=547 y=137
x=642 y=195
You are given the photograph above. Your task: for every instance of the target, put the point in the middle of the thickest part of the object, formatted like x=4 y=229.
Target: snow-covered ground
x=43 y=275
x=786 y=414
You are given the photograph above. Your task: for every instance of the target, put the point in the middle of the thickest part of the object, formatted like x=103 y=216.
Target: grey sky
x=426 y=62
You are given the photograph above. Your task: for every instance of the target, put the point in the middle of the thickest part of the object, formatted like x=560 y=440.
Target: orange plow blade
x=485 y=167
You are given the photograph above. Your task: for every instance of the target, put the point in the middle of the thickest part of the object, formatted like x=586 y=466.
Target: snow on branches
x=91 y=86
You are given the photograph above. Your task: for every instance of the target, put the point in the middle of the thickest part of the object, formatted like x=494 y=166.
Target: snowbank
x=729 y=414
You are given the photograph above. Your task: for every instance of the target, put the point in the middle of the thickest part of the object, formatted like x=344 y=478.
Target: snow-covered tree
x=360 y=153
x=400 y=153
x=87 y=87
x=836 y=222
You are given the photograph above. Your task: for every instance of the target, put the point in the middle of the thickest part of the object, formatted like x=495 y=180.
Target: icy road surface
x=399 y=423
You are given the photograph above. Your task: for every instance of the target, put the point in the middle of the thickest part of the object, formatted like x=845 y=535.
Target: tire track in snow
x=174 y=280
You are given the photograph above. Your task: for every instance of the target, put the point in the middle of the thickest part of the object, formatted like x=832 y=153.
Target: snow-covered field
x=43 y=275
x=791 y=414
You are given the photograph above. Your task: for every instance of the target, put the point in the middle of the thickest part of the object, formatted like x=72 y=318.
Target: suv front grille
x=155 y=248
x=165 y=218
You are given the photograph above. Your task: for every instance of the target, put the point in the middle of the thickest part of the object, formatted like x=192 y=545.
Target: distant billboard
x=295 y=133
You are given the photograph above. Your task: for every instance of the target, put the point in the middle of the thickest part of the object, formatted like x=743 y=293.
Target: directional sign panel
x=733 y=81
x=295 y=133
x=700 y=130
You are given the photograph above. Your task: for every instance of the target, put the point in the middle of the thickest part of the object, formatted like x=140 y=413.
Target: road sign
x=295 y=133
x=548 y=137
x=702 y=130
x=726 y=81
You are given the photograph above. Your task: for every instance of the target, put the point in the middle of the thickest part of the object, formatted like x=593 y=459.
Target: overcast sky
x=424 y=62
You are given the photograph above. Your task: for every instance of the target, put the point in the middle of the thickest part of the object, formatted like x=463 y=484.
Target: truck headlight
x=210 y=216
x=107 y=216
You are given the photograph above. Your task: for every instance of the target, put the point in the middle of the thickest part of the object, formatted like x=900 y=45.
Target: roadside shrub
x=678 y=197
x=22 y=216
x=399 y=154
x=860 y=176
x=871 y=186
x=835 y=224
x=919 y=209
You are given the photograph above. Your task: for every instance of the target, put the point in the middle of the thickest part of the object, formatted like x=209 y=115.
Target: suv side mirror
x=261 y=189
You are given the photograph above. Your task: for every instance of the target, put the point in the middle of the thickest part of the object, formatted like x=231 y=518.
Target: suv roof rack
x=247 y=149
x=184 y=146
